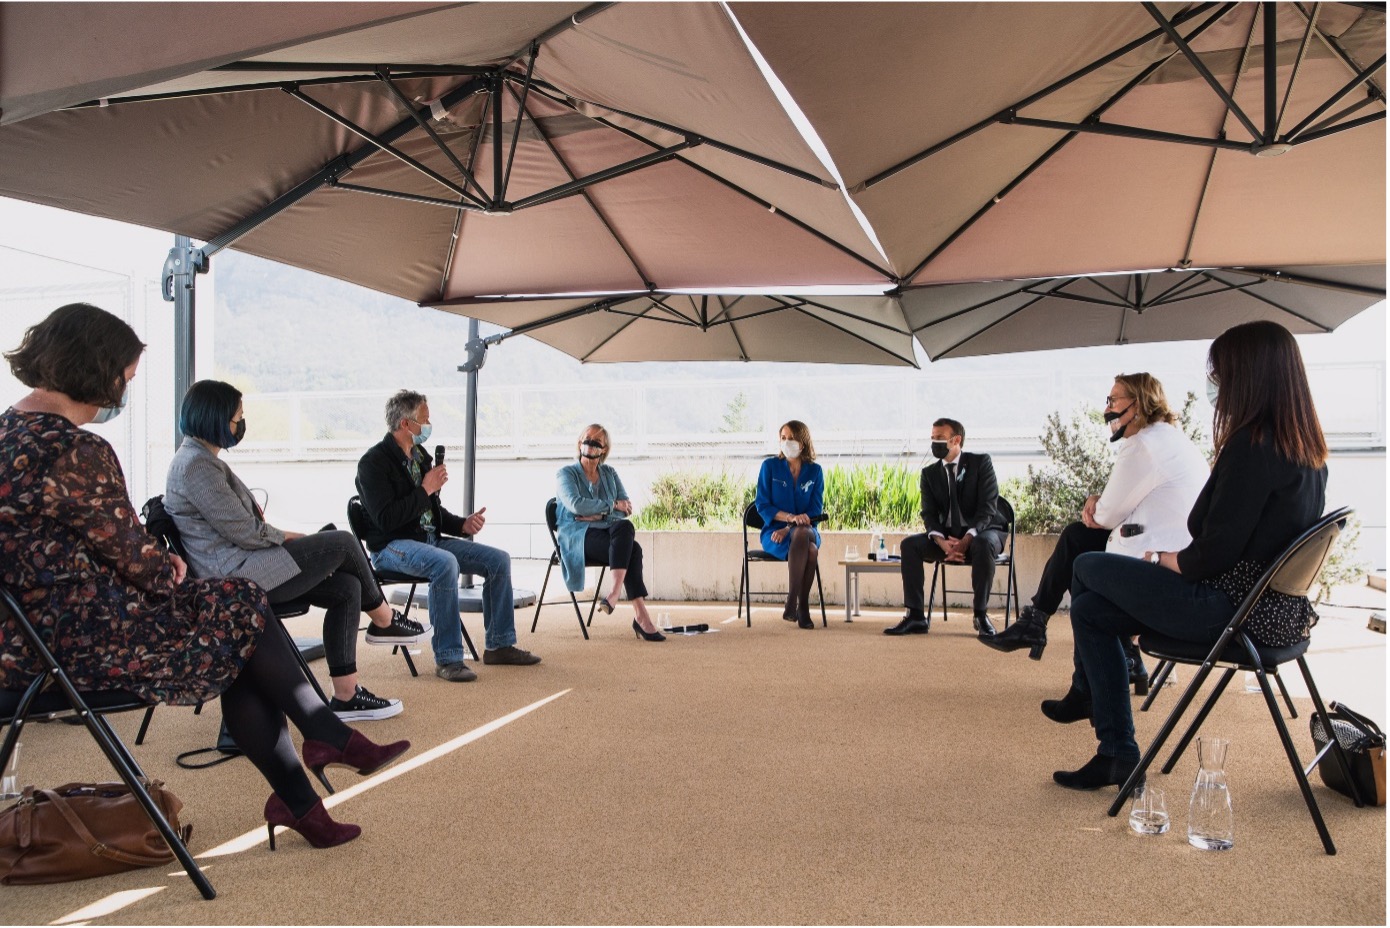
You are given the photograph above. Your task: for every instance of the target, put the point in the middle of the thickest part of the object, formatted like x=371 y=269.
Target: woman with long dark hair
x=1268 y=484
x=117 y=610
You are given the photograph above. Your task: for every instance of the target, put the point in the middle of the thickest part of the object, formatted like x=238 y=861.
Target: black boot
x=1072 y=707
x=1138 y=673
x=1099 y=771
x=1030 y=631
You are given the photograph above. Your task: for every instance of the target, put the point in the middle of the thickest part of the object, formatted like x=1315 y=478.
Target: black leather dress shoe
x=984 y=626
x=910 y=625
x=1099 y=771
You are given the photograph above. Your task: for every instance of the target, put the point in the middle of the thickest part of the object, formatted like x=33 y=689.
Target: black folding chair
x=1293 y=572
x=359 y=521
x=159 y=524
x=752 y=520
x=552 y=523
x=1004 y=559
x=42 y=697
x=1164 y=668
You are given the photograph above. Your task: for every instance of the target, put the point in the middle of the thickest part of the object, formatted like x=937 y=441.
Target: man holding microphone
x=399 y=486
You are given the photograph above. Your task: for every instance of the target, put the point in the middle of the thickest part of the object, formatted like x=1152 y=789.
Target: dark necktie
x=956 y=521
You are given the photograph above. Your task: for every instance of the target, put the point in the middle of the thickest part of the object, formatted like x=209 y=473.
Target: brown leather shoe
x=511 y=654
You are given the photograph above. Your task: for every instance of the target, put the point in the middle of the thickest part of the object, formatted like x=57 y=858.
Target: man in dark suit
x=959 y=506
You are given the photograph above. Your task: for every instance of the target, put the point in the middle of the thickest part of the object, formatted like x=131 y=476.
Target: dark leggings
x=335 y=576
x=801 y=567
x=270 y=687
x=616 y=546
x=1076 y=539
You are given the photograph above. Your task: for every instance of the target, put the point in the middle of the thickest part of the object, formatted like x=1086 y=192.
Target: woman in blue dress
x=593 y=527
x=790 y=491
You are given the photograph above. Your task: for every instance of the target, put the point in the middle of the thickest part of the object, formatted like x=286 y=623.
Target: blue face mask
x=1211 y=391
x=107 y=413
x=424 y=436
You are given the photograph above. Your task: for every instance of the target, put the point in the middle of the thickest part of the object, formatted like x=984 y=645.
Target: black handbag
x=1364 y=744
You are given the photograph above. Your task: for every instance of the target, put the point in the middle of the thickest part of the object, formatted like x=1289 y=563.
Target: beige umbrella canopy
x=707 y=327
x=1010 y=140
x=1003 y=316
x=457 y=150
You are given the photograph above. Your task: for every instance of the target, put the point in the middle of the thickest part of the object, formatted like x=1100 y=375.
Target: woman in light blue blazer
x=592 y=519
x=791 y=490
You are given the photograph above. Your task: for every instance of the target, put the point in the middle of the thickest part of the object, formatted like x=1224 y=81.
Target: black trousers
x=916 y=550
x=616 y=546
x=1076 y=540
x=335 y=576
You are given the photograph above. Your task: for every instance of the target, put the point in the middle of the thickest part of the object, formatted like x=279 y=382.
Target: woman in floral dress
x=118 y=611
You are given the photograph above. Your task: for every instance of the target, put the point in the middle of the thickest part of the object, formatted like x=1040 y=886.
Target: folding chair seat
x=1293 y=573
x=752 y=520
x=552 y=524
x=53 y=691
x=358 y=522
x=1004 y=559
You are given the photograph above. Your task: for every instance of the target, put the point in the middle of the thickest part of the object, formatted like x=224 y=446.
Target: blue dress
x=576 y=496
x=778 y=493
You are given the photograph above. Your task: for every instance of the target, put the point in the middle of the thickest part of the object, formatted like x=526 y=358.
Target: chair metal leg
x=1288 y=701
x=820 y=593
x=469 y=641
x=742 y=579
x=1160 y=676
x=144 y=725
x=747 y=594
x=540 y=600
x=21 y=715
x=405 y=652
x=1338 y=752
x=1292 y=753
x=1200 y=718
x=579 y=615
x=936 y=570
x=598 y=592
x=1169 y=724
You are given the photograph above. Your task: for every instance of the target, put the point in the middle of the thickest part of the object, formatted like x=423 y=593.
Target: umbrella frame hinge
x=180 y=267
x=476 y=354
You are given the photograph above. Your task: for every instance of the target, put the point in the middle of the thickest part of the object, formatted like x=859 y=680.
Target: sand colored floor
x=763 y=775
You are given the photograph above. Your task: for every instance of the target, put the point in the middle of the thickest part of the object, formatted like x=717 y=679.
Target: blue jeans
x=441 y=564
x=1114 y=596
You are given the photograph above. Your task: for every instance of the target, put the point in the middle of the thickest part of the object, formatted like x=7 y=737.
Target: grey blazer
x=222 y=527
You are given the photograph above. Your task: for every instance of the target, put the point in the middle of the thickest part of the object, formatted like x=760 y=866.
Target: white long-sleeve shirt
x=1158 y=474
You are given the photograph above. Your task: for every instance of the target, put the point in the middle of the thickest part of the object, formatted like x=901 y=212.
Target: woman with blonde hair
x=790 y=496
x=592 y=517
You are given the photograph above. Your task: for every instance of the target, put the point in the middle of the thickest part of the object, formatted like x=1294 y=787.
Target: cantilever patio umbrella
x=1010 y=140
x=707 y=327
x=1002 y=316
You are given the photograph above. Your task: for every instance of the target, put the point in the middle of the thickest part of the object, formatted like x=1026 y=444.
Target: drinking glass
x=1148 y=815
x=664 y=620
x=9 y=783
x=851 y=552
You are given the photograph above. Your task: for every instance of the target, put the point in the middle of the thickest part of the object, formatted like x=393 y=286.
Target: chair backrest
x=1006 y=512
x=161 y=525
x=1296 y=569
x=358 y=520
x=552 y=516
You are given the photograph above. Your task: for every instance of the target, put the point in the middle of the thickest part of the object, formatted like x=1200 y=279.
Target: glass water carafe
x=1210 y=824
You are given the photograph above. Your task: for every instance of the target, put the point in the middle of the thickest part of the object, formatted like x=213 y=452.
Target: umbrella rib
x=1178 y=291
x=1027 y=101
x=384 y=75
x=638 y=137
x=1274 y=274
x=455 y=235
x=847 y=314
x=1361 y=78
x=1196 y=61
x=564 y=25
x=857 y=337
x=1058 y=146
x=1335 y=47
x=659 y=302
x=612 y=335
x=978 y=332
x=981 y=305
x=520 y=115
x=1266 y=300
x=1100 y=282
x=622 y=245
x=1297 y=65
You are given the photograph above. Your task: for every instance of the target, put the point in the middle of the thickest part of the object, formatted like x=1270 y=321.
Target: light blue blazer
x=576 y=496
x=778 y=493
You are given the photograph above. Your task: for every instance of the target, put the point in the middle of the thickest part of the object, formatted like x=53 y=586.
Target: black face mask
x=939 y=449
x=590 y=443
x=1109 y=417
x=238 y=433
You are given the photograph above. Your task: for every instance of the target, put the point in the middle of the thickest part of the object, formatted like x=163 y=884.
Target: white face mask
x=1211 y=391
x=107 y=413
x=791 y=450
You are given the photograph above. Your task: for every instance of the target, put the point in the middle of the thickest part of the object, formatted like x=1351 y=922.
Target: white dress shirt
x=1158 y=474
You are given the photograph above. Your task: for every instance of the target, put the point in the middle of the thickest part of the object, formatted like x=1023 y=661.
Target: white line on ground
x=105 y=906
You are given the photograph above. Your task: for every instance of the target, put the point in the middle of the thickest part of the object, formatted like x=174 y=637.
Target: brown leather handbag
x=82 y=830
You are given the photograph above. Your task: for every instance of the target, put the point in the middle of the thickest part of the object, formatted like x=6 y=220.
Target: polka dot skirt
x=1278 y=619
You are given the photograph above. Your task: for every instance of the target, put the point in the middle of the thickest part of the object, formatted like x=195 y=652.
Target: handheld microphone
x=688 y=629
x=438 y=455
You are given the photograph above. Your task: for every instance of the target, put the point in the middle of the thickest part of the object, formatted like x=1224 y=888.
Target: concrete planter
x=703 y=566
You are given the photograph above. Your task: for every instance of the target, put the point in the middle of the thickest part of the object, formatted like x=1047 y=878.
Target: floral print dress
x=98 y=587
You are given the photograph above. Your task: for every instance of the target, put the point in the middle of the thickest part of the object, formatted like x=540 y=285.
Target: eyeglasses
x=1112 y=400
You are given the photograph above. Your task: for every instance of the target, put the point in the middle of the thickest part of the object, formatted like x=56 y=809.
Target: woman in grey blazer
x=225 y=535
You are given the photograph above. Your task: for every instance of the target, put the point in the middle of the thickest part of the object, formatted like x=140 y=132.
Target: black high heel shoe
x=644 y=634
x=605 y=606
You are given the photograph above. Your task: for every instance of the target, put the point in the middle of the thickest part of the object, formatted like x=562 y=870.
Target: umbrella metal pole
x=180 y=286
x=470 y=436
